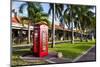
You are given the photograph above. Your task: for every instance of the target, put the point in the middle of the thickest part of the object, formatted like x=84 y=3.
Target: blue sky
x=16 y=5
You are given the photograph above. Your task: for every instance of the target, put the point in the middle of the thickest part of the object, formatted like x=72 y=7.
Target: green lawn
x=72 y=50
x=68 y=50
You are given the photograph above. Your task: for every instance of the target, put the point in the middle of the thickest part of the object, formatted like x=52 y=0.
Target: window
x=44 y=41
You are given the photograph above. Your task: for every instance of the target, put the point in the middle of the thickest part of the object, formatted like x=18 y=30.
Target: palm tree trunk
x=53 y=26
x=72 y=28
x=72 y=33
x=92 y=37
x=64 y=33
x=81 y=37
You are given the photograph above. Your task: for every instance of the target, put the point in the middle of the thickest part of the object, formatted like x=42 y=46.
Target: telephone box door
x=44 y=44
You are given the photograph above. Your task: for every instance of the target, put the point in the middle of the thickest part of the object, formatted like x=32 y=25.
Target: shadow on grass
x=82 y=47
x=22 y=52
x=22 y=47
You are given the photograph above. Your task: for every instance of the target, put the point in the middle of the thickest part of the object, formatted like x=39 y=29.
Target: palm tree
x=52 y=10
x=56 y=11
x=35 y=14
x=80 y=17
x=71 y=12
x=84 y=18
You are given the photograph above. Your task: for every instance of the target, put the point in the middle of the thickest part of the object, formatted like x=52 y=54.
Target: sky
x=16 y=5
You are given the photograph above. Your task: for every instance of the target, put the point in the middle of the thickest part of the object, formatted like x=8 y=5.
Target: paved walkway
x=89 y=56
x=51 y=58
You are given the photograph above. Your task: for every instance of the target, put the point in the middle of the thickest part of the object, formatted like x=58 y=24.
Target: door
x=44 y=35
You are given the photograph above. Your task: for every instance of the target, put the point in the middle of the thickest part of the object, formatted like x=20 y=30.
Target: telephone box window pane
x=44 y=41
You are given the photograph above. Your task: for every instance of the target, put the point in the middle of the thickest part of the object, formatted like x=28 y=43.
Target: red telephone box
x=40 y=40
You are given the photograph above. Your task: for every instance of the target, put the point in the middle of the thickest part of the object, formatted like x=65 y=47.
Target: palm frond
x=22 y=7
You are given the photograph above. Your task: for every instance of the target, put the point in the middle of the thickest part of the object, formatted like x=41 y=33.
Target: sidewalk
x=51 y=58
x=89 y=56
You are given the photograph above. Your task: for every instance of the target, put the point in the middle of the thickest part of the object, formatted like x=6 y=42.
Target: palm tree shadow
x=22 y=53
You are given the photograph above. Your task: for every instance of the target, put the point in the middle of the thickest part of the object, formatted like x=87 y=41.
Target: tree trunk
x=64 y=34
x=92 y=37
x=72 y=33
x=86 y=38
x=81 y=36
x=53 y=27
